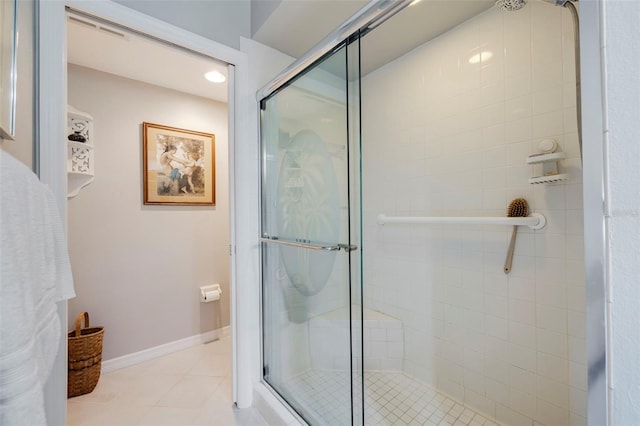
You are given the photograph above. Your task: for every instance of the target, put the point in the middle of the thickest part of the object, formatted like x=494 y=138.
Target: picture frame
x=8 y=67
x=178 y=166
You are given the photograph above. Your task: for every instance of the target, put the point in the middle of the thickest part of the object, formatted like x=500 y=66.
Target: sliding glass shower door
x=310 y=261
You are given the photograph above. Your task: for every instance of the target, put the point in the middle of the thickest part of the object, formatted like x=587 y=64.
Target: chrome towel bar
x=334 y=247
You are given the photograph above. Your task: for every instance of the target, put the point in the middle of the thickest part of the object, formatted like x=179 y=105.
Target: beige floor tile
x=218 y=347
x=106 y=390
x=225 y=390
x=147 y=390
x=218 y=365
x=216 y=413
x=190 y=387
x=83 y=413
x=190 y=392
x=109 y=414
x=169 y=416
x=175 y=363
x=220 y=412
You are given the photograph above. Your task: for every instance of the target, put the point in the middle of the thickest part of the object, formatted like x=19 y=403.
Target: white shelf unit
x=80 y=155
x=549 y=162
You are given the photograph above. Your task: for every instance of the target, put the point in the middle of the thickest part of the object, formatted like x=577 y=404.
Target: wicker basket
x=85 y=357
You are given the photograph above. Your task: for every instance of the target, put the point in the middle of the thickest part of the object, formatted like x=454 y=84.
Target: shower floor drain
x=390 y=399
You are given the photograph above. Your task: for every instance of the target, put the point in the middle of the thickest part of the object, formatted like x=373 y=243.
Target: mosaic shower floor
x=390 y=399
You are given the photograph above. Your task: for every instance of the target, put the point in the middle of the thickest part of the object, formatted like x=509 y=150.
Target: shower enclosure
x=388 y=161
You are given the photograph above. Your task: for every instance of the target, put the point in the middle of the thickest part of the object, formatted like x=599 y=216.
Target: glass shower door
x=307 y=244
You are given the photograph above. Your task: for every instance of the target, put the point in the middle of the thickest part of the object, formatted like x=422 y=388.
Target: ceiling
x=294 y=27
x=109 y=49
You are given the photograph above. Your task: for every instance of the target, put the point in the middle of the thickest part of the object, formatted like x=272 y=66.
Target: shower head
x=510 y=5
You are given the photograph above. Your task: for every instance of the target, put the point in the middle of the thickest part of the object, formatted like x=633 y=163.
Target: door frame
x=50 y=151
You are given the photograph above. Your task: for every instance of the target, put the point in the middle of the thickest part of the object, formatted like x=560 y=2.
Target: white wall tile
x=551 y=293
x=578 y=375
x=553 y=343
x=551 y=245
x=492 y=93
x=546 y=75
x=518 y=108
x=552 y=391
x=549 y=100
x=497 y=327
x=577 y=324
x=578 y=401
x=494 y=157
x=551 y=414
x=577 y=350
x=474 y=381
x=494 y=178
x=479 y=402
x=576 y=299
x=496 y=391
x=575 y=223
x=548 y=125
x=522 y=288
x=518 y=130
x=522 y=356
x=550 y=318
x=550 y=269
x=553 y=367
x=463 y=152
x=518 y=85
x=506 y=415
x=518 y=174
x=394 y=350
x=522 y=311
x=523 y=380
x=523 y=403
x=522 y=334
x=517 y=153
x=575 y=247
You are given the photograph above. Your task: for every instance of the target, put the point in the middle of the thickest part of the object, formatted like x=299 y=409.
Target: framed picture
x=8 y=54
x=179 y=166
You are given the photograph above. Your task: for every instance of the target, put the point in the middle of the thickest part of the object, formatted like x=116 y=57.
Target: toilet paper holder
x=210 y=293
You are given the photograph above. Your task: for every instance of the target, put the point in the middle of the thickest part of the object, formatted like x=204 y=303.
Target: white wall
x=622 y=80
x=137 y=268
x=444 y=137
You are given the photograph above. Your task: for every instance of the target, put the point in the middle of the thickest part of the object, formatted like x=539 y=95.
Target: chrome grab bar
x=533 y=221
x=337 y=247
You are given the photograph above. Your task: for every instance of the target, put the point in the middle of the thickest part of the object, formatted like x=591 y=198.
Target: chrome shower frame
x=589 y=66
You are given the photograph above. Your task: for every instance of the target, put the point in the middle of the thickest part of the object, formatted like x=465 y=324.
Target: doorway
x=135 y=263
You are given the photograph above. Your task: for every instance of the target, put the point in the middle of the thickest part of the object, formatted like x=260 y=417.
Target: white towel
x=34 y=274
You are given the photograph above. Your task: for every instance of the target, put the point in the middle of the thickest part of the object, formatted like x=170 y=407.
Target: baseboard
x=158 y=351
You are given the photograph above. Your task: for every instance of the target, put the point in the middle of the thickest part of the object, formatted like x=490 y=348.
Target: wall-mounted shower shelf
x=545 y=158
x=549 y=179
x=549 y=162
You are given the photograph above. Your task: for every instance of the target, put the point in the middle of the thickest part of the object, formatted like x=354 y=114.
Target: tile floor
x=189 y=387
x=390 y=399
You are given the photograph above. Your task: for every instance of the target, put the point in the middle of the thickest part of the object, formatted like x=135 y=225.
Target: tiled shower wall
x=446 y=137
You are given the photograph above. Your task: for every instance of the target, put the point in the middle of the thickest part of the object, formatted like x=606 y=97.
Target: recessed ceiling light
x=215 y=77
